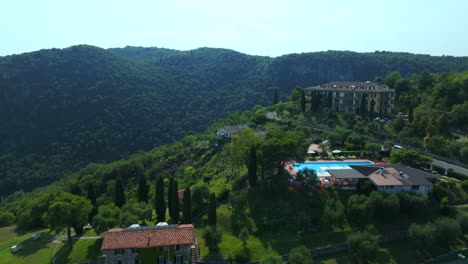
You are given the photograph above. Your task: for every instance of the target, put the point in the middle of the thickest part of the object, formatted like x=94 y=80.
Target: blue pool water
x=322 y=166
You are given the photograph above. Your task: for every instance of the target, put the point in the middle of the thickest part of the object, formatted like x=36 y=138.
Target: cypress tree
x=212 y=210
x=252 y=166
x=187 y=206
x=303 y=101
x=143 y=190
x=91 y=195
x=160 y=204
x=119 y=198
x=372 y=109
x=329 y=101
x=169 y=197
x=363 y=105
x=275 y=97
x=175 y=203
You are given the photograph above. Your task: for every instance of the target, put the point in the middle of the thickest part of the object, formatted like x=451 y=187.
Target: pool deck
x=288 y=167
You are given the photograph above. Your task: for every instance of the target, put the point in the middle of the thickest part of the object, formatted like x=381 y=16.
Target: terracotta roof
x=386 y=178
x=401 y=175
x=151 y=236
x=413 y=175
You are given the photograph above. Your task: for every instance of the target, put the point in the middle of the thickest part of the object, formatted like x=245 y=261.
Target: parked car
x=35 y=236
x=15 y=248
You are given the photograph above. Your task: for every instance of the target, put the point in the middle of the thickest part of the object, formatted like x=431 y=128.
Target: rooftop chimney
x=381 y=171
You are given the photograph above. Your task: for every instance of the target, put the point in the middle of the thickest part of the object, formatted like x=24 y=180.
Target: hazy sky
x=263 y=27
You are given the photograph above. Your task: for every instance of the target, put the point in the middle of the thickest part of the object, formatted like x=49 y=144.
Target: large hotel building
x=347 y=97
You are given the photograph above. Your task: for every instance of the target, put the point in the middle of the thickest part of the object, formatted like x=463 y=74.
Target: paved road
x=444 y=164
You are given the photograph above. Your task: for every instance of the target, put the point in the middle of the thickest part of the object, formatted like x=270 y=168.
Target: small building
x=161 y=244
x=230 y=130
x=272 y=115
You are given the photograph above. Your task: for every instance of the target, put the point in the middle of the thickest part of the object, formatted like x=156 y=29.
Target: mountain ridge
x=68 y=107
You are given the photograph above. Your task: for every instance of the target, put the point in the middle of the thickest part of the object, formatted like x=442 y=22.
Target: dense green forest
x=437 y=108
x=62 y=109
x=240 y=202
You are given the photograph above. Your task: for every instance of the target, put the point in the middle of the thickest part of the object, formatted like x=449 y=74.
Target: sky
x=257 y=27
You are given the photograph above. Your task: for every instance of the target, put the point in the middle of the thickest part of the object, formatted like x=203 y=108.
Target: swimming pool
x=321 y=167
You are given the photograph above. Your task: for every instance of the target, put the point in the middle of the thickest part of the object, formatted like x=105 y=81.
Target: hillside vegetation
x=65 y=108
x=256 y=213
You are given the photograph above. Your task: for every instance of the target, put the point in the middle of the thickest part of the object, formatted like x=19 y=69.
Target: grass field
x=40 y=250
x=83 y=250
x=33 y=251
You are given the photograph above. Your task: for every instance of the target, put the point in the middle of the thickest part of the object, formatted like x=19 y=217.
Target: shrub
x=463 y=222
x=213 y=236
x=242 y=256
x=440 y=191
x=365 y=186
x=385 y=205
x=6 y=218
x=300 y=255
x=271 y=259
x=464 y=185
x=359 y=208
x=413 y=204
x=446 y=209
x=363 y=246
x=422 y=235
x=108 y=216
x=333 y=214
x=447 y=230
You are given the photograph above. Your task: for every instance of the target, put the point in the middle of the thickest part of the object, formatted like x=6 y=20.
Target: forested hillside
x=243 y=202
x=61 y=109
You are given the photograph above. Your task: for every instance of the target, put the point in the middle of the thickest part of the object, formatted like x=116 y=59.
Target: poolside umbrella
x=336 y=151
x=311 y=152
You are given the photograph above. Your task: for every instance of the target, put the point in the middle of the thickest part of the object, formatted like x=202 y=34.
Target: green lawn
x=83 y=250
x=33 y=251
x=41 y=249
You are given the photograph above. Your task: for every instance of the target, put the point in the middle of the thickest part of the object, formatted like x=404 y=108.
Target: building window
x=415 y=188
x=161 y=260
x=136 y=260
x=178 y=259
x=119 y=261
x=177 y=247
x=134 y=250
x=118 y=251
x=165 y=249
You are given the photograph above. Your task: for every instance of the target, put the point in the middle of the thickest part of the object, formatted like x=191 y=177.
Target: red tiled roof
x=149 y=237
x=387 y=178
